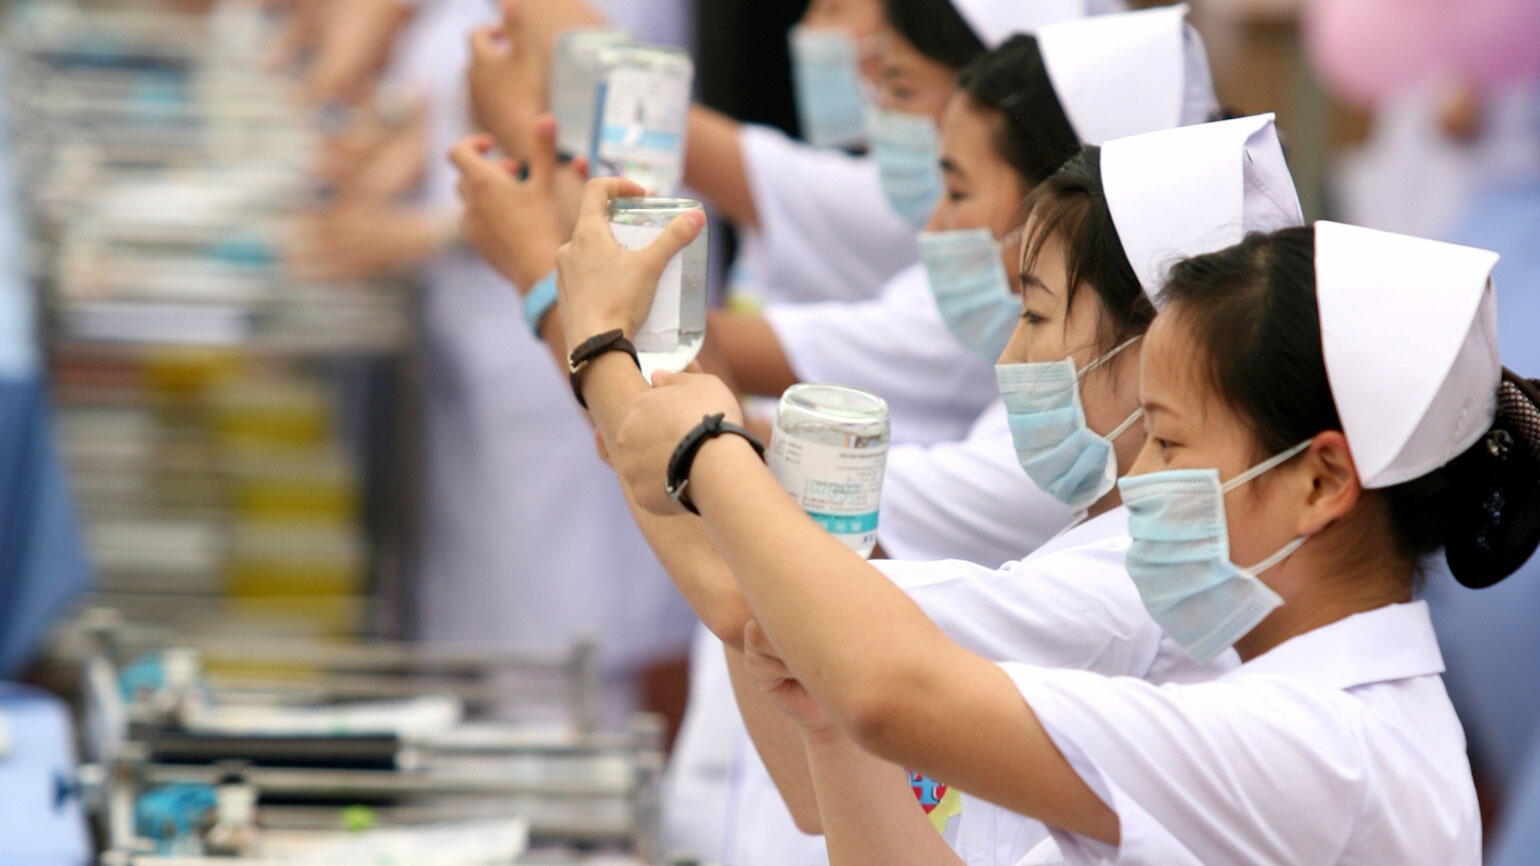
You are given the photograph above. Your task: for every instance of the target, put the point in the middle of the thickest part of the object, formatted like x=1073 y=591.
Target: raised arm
x=867 y=811
x=886 y=674
x=508 y=85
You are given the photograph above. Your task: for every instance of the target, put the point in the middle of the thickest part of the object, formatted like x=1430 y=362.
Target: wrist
x=722 y=456
x=528 y=271
x=579 y=332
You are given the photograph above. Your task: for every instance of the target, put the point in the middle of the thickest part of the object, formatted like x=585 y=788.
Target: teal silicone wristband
x=539 y=301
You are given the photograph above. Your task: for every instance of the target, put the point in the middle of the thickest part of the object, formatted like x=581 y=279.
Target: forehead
x=898 y=52
x=965 y=130
x=1176 y=371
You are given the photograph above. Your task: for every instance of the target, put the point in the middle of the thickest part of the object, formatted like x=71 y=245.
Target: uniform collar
x=1393 y=642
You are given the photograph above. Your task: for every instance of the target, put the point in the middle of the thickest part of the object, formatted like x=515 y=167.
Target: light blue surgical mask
x=1180 y=557
x=907 y=148
x=826 y=76
x=971 y=288
x=1063 y=456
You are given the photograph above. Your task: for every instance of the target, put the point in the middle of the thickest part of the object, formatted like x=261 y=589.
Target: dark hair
x=1251 y=310
x=1071 y=206
x=1033 y=134
x=936 y=29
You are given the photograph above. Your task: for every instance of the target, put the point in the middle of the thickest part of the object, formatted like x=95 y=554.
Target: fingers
x=604 y=452
x=542 y=150
x=754 y=636
x=760 y=652
x=683 y=229
x=467 y=156
x=663 y=378
x=597 y=194
x=487 y=41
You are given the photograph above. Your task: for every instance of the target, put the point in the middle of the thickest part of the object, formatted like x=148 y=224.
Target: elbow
x=727 y=617
x=806 y=818
x=871 y=709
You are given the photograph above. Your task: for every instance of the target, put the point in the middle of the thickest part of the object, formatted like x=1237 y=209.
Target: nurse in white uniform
x=1069 y=603
x=1324 y=405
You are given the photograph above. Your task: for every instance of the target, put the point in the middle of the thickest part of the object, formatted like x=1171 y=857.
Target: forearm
x=747 y=346
x=868 y=811
x=778 y=740
x=881 y=669
x=714 y=167
x=684 y=548
x=813 y=596
x=610 y=382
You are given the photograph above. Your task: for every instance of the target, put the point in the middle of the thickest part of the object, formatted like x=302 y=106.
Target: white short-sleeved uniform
x=965 y=500
x=1338 y=746
x=1069 y=604
x=896 y=346
x=503 y=440
x=825 y=229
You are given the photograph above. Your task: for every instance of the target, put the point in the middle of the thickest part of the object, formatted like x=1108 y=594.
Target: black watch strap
x=709 y=428
x=591 y=348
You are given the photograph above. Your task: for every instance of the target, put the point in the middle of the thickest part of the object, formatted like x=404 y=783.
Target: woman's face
x=982 y=190
x=862 y=20
x=909 y=81
x=1190 y=427
x=1049 y=331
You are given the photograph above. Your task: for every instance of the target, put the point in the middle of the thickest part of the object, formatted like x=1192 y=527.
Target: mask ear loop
x=1127 y=423
x=1080 y=374
x=1271 y=462
x=1276 y=460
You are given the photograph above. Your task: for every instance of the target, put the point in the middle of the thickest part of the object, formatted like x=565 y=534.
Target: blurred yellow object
x=190 y=368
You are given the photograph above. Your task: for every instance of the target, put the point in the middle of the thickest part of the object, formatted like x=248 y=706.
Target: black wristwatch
x=679 y=465
x=591 y=348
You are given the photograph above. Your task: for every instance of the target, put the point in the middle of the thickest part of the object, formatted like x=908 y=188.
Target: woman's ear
x=1334 y=487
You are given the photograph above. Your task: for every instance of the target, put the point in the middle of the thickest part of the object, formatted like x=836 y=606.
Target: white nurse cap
x=994 y=21
x=1182 y=192
x=1118 y=75
x=1409 y=335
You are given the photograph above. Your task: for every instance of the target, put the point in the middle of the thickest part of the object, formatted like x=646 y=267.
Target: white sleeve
x=1076 y=608
x=823 y=219
x=1255 y=770
x=965 y=500
x=895 y=346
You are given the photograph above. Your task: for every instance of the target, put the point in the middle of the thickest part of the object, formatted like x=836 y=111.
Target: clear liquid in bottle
x=675 y=328
x=829 y=449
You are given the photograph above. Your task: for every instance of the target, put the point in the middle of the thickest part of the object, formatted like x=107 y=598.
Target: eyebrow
x=1153 y=406
x=950 y=167
x=1029 y=281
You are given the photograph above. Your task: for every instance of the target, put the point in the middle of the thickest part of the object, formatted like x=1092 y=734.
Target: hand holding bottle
x=602 y=285
x=506 y=81
x=516 y=223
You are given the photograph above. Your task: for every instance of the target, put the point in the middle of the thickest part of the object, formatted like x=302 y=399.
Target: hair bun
x=1495 y=491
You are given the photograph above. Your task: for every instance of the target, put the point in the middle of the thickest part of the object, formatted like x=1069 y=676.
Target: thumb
x=542 y=150
x=665 y=379
x=683 y=229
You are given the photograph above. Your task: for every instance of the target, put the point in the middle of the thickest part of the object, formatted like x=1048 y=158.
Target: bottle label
x=642 y=120
x=660 y=330
x=839 y=487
